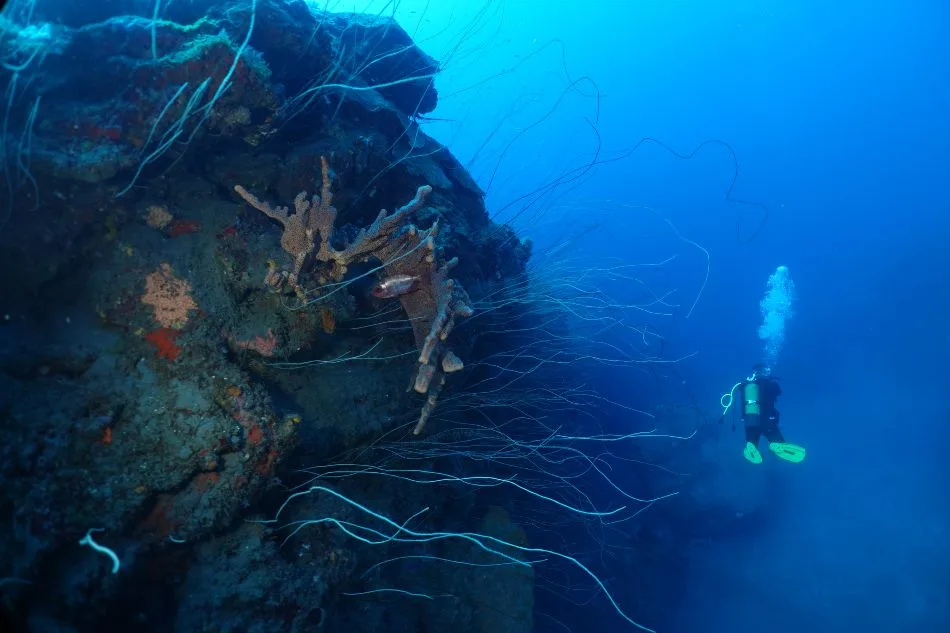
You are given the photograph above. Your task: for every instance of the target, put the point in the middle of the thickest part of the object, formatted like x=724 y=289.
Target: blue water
x=837 y=113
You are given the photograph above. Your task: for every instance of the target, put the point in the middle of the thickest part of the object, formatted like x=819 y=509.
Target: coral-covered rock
x=151 y=383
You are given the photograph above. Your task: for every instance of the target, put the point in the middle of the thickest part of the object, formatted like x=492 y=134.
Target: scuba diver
x=758 y=394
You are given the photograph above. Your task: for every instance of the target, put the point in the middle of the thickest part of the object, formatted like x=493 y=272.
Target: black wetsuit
x=765 y=421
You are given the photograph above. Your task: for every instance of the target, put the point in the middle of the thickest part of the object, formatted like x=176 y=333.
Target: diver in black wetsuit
x=757 y=395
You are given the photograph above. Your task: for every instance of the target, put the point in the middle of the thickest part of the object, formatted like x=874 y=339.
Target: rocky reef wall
x=226 y=244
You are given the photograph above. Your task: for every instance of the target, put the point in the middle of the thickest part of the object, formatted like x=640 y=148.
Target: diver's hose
x=727 y=399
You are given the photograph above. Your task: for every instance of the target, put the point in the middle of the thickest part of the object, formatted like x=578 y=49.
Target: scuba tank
x=749 y=391
x=750 y=399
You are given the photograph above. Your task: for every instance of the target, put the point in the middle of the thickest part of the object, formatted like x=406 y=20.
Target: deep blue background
x=838 y=114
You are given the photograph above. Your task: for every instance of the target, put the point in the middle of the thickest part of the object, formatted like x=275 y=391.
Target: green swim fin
x=789 y=452
x=752 y=453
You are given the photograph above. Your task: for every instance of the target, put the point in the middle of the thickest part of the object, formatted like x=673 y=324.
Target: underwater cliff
x=268 y=364
x=169 y=342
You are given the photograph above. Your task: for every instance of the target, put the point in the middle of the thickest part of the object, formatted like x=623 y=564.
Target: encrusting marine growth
x=432 y=301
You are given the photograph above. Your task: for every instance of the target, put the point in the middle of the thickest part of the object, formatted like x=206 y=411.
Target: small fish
x=396 y=286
